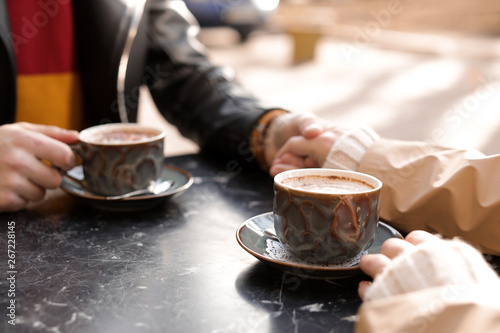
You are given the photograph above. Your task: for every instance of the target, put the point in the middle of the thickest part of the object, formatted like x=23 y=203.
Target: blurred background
x=412 y=69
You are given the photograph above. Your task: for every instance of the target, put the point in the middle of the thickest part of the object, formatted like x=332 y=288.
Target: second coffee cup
x=120 y=158
x=325 y=215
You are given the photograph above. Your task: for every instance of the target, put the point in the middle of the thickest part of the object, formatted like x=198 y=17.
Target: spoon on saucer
x=155 y=187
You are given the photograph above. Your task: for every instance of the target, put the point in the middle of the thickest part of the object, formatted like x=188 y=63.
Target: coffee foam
x=327 y=184
x=119 y=136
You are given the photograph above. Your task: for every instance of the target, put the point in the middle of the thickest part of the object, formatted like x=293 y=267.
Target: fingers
x=310 y=163
x=362 y=287
x=419 y=236
x=26 y=189
x=284 y=127
x=22 y=163
x=24 y=148
x=313 y=152
x=311 y=126
x=41 y=174
x=17 y=191
x=294 y=124
x=49 y=143
x=279 y=168
x=60 y=134
x=291 y=159
x=47 y=148
x=393 y=247
x=60 y=155
x=297 y=145
x=285 y=163
x=11 y=202
x=373 y=264
x=316 y=148
x=289 y=156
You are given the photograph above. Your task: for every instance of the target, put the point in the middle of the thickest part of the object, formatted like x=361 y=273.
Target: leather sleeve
x=205 y=102
x=7 y=70
x=448 y=191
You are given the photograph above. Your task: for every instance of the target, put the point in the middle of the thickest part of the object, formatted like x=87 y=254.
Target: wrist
x=259 y=137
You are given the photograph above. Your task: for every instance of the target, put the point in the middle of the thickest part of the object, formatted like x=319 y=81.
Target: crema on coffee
x=327 y=184
x=115 y=137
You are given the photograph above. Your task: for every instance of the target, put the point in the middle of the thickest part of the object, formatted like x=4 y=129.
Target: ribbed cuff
x=433 y=264
x=349 y=149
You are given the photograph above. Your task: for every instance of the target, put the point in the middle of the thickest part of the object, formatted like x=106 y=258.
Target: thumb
x=311 y=126
x=311 y=129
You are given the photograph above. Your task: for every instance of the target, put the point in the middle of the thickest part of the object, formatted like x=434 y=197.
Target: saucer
x=182 y=181
x=252 y=238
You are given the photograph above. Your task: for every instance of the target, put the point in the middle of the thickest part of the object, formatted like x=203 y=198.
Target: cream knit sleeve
x=349 y=149
x=433 y=264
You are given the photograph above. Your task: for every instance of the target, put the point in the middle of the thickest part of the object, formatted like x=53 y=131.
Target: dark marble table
x=173 y=268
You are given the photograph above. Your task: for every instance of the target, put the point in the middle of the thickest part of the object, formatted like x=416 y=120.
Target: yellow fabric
x=50 y=99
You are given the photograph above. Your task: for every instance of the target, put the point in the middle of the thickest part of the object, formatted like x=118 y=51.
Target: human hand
x=423 y=261
x=288 y=125
x=336 y=147
x=24 y=150
x=300 y=152
x=374 y=264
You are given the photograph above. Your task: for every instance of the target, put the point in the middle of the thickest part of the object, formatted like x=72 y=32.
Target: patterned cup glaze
x=325 y=227
x=118 y=167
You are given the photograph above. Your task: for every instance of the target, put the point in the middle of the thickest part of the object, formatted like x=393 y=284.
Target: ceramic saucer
x=252 y=238
x=182 y=181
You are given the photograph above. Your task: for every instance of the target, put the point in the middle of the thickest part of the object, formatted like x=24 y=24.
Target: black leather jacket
x=123 y=45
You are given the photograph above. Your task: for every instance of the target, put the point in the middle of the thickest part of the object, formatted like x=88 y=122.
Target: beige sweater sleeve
x=443 y=309
x=439 y=286
x=349 y=148
x=447 y=191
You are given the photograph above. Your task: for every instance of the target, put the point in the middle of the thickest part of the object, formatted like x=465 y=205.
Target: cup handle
x=77 y=150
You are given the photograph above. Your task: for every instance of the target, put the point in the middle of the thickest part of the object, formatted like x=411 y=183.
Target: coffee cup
x=119 y=158
x=325 y=215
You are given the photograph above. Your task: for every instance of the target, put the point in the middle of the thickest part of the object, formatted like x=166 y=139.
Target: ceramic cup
x=119 y=158
x=325 y=215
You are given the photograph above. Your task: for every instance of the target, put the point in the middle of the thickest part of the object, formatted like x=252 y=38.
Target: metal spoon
x=154 y=187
